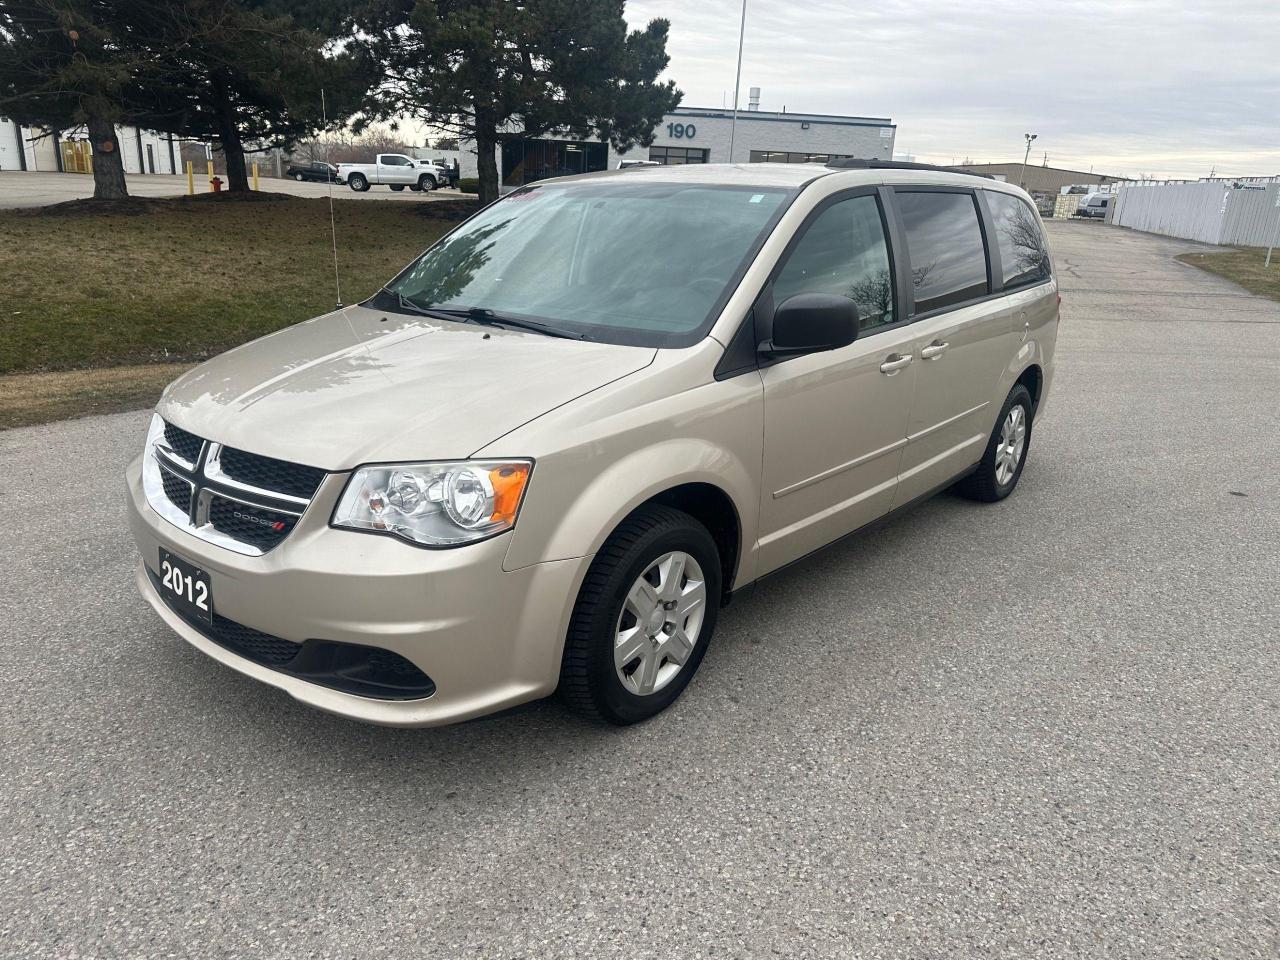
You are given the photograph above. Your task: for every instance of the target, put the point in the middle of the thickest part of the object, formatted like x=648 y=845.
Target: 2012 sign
x=681 y=131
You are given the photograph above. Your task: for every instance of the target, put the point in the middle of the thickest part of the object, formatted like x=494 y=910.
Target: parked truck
x=394 y=170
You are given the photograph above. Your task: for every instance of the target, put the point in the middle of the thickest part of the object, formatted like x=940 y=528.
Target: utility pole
x=1022 y=179
x=737 y=80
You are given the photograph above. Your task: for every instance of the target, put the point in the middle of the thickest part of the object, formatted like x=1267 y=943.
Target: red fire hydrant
x=216 y=183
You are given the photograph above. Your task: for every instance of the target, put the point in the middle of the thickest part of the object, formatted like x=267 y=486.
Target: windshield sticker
x=756 y=197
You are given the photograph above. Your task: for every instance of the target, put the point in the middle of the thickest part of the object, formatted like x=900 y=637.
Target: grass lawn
x=1243 y=265
x=170 y=282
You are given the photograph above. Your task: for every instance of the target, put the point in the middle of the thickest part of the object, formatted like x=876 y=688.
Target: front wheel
x=298 y=177
x=1006 y=452
x=358 y=182
x=643 y=618
x=426 y=182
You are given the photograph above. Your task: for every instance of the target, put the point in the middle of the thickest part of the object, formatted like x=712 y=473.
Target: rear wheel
x=358 y=182
x=643 y=619
x=1006 y=452
x=397 y=187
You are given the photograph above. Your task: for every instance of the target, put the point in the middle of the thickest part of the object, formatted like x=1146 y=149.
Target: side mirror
x=811 y=323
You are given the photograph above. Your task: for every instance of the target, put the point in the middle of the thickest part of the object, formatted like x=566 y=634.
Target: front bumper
x=489 y=639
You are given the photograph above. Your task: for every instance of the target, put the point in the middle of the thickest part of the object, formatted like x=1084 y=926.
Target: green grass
x=162 y=281
x=30 y=398
x=1243 y=265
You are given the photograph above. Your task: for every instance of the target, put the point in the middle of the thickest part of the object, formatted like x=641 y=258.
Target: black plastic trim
x=353 y=668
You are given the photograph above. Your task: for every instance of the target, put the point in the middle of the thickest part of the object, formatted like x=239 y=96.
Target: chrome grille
x=242 y=501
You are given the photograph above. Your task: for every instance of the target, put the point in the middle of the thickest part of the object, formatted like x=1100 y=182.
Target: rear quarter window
x=1024 y=254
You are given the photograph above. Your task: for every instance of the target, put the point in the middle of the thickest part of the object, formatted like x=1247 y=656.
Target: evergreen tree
x=240 y=71
x=63 y=64
x=495 y=70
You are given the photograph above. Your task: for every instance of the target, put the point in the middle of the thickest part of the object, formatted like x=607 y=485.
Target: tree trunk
x=486 y=160
x=108 y=165
x=229 y=137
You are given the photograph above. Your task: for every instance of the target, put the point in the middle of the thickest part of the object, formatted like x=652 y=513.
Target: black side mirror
x=811 y=323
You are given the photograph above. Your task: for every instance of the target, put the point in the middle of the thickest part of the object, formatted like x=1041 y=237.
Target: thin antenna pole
x=737 y=80
x=328 y=178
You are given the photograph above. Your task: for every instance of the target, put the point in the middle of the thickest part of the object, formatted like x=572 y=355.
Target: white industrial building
x=29 y=148
x=700 y=135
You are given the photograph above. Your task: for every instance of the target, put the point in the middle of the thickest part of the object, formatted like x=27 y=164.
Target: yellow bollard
x=255 y=176
x=191 y=180
x=210 y=162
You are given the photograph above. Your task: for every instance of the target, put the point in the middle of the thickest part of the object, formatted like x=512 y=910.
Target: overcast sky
x=1129 y=87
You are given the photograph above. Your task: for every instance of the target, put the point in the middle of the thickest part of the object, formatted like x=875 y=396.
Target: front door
x=836 y=422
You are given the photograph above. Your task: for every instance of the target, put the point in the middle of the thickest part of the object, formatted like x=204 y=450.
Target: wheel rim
x=657 y=630
x=1012 y=443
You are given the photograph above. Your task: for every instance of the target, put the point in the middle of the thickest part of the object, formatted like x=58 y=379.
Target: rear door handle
x=895 y=362
x=934 y=350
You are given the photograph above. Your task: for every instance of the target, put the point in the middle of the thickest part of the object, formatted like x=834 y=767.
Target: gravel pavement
x=1045 y=728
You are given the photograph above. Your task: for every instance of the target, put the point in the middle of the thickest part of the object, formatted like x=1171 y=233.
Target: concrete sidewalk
x=21 y=189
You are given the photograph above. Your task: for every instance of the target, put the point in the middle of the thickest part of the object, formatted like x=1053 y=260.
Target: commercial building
x=67 y=151
x=700 y=135
x=1040 y=179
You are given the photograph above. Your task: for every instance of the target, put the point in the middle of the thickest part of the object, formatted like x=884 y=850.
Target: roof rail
x=853 y=164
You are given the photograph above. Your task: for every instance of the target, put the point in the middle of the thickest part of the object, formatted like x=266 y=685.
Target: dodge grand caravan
x=543 y=456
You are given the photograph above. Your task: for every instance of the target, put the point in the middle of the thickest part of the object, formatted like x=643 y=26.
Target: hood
x=359 y=386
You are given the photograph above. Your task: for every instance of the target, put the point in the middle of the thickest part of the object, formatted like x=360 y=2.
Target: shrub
x=469 y=185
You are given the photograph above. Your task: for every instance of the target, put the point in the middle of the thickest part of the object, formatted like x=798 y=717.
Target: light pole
x=1023 y=178
x=737 y=80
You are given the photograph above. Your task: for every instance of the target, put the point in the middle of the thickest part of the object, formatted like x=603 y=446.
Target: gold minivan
x=543 y=457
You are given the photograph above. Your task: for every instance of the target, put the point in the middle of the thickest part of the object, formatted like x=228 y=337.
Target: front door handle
x=895 y=362
x=934 y=350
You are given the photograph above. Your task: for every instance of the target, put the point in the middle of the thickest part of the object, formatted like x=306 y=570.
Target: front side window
x=1024 y=255
x=844 y=252
x=621 y=262
x=944 y=242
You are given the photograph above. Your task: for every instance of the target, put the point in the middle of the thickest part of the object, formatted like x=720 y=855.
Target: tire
x=358 y=182
x=415 y=188
x=299 y=177
x=591 y=684
x=993 y=480
x=397 y=187
x=426 y=182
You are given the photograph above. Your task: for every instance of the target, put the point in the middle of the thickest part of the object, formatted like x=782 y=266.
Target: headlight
x=435 y=504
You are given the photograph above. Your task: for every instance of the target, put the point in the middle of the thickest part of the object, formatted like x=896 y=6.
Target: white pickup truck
x=394 y=170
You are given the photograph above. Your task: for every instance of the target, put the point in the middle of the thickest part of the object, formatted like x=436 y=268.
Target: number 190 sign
x=681 y=131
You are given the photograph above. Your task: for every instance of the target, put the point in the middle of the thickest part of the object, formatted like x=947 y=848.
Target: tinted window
x=944 y=241
x=843 y=252
x=1024 y=256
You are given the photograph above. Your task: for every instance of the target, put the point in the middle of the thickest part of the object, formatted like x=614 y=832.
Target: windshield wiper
x=491 y=318
x=482 y=316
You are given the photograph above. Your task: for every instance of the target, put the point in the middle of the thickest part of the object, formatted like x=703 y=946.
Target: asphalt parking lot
x=18 y=189
x=1044 y=728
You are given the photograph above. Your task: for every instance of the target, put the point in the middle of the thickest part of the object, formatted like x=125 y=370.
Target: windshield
x=639 y=263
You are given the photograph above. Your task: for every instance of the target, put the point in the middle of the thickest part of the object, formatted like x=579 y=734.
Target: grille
x=186 y=445
x=258 y=526
x=349 y=667
x=242 y=501
x=177 y=490
x=271 y=474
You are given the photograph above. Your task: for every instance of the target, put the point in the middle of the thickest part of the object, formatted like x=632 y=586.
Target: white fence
x=1211 y=212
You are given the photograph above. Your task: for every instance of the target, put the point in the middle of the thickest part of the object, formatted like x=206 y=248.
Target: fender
x=600 y=457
